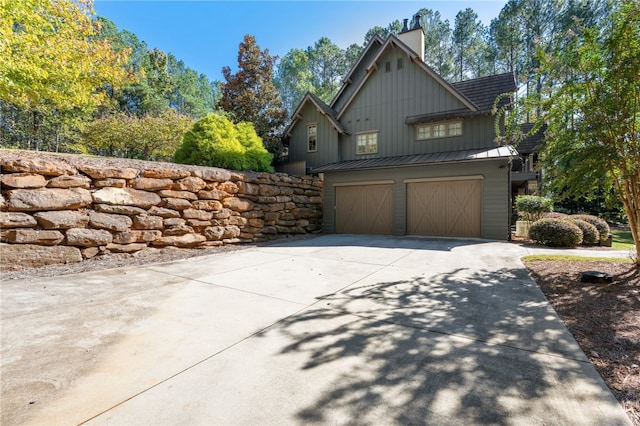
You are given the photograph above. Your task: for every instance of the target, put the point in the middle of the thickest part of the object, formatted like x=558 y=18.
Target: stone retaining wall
x=61 y=209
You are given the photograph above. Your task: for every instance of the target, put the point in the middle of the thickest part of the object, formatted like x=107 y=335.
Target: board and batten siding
x=494 y=183
x=327 y=139
x=388 y=98
x=357 y=76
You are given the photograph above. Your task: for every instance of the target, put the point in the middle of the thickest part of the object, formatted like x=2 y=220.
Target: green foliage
x=555 y=233
x=215 y=141
x=53 y=70
x=294 y=78
x=438 y=46
x=601 y=225
x=393 y=28
x=250 y=94
x=591 y=109
x=50 y=57
x=163 y=81
x=598 y=202
x=319 y=69
x=468 y=43
x=147 y=138
x=622 y=239
x=531 y=207
x=257 y=158
x=590 y=234
x=142 y=93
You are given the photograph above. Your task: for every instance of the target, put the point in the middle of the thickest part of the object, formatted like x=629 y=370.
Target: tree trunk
x=35 y=129
x=631 y=201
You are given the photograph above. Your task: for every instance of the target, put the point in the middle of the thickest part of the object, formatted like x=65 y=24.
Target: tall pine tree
x=250 y=95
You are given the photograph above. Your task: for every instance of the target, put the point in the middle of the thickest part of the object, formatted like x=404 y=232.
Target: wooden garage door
x=364 y=209
x=444 y=208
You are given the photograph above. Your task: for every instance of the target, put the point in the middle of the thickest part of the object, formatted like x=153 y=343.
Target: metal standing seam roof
x=506 y=151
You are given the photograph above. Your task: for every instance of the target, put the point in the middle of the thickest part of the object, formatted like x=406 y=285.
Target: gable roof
x=393 y=41
x=324 y=109
x=374 y=43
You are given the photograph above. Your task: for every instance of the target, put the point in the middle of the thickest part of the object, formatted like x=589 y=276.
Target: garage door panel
x=364 y=209
x=444 y=208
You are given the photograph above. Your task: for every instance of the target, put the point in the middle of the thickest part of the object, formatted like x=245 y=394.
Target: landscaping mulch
x=603 y=318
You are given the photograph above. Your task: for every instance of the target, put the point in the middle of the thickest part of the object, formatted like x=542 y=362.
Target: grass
x=622 y=239
x=570 y=258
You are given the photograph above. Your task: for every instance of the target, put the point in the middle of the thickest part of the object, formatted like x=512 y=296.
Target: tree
x=593 y=113
x=320 y=69
x=393 y=28
x=250 y=94
x=505 y=33
x=294 y=78
x=148 y=138
x=51 y=58
x=328 y=65
x=437 y=42
x=215 y=141
x=467 y=41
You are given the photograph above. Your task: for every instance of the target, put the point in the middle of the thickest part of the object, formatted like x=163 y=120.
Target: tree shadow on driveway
x=481 y=348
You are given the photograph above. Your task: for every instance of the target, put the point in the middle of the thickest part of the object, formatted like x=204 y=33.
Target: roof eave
x=513 y=153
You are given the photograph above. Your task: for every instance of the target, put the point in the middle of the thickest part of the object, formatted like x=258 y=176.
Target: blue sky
x=206 y=34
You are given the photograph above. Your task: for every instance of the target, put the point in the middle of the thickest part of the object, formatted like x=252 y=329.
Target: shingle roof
x=483 y=91
x=531 y=142
x=324 y=107
x=420 y=159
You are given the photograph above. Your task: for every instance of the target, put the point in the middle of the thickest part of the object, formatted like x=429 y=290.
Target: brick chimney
x=413 y=36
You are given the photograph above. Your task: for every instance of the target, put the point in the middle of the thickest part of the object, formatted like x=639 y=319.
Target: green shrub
x=554 y=215
x=256 y=155
x=600 y=224
x=531 y=207
x=215 y=141
x=555 y=233
x=590 y=234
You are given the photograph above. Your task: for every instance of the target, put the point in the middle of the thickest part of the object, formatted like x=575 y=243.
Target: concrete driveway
x=338 y=329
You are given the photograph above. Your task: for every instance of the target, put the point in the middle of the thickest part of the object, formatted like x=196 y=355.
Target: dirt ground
x=604 y=319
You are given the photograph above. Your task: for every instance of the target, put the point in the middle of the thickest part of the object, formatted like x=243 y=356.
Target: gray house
x=404 y=152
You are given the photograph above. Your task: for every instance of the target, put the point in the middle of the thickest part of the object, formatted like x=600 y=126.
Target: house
x=404 y=152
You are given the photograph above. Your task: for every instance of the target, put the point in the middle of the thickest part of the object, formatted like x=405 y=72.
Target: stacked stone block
x=55 y=212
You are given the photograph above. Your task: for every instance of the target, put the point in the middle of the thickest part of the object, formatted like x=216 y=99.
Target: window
x=454 y=128
x=312 y=137
x=424 y=132
x=367 y=143
x=439 y=130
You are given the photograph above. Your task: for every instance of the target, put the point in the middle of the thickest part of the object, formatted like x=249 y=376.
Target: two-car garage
x=458 y=199
x=434 y=207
